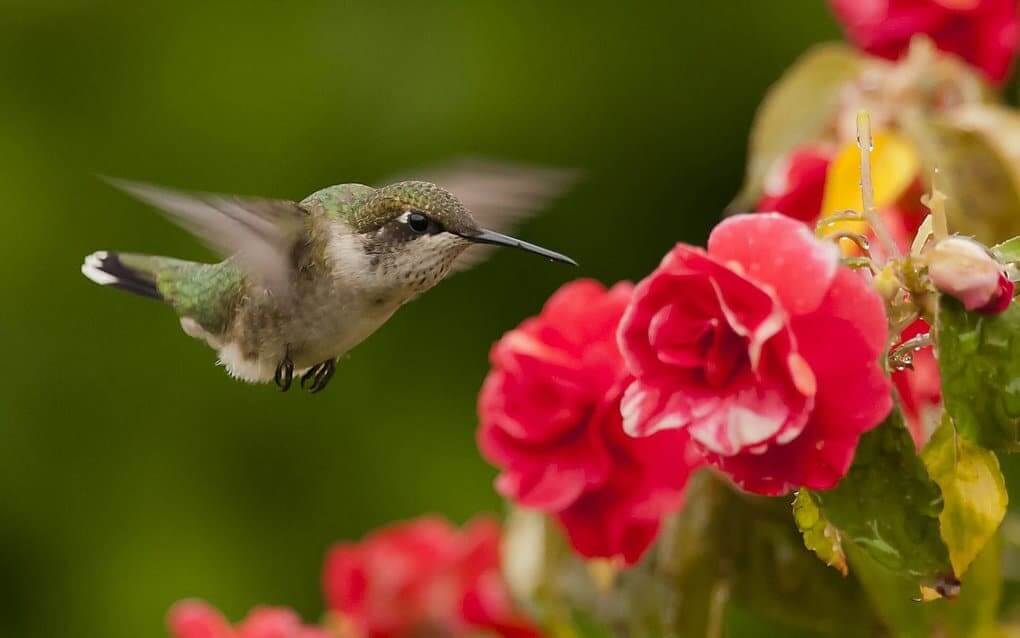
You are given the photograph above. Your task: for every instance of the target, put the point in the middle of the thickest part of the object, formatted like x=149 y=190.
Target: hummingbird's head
x=417 y=229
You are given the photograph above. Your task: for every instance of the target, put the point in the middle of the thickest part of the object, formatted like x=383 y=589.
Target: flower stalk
x=866 y=145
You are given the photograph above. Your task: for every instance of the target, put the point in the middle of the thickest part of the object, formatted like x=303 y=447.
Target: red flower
x=422 y=576
x=549 y=377
x=984 y=33
x=550 y=421
x=621 y=517
x=763 y=349
x=919 y=386
x=195 y=619
x=795 y=186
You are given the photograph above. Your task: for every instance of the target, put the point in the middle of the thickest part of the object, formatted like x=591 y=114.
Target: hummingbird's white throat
x=398 y=274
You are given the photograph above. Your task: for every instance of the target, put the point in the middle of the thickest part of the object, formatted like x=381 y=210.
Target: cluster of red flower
x=420 y=578
x=984 y=33
x=759 y=356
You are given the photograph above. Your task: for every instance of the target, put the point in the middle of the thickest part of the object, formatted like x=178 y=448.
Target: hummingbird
x=302 y=283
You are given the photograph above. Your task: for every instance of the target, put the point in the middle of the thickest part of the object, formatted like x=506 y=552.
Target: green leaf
x=727 y=547
x=1008 y=251
x=744 y=623
x=979 y=362
x=796 y=111
x=820 y=536
x=973 y=614
x=889 y=507
x=893 y=596
x=974 y=153
x=973 y=492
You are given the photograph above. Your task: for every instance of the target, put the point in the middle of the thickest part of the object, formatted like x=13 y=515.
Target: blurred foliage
x=976 y=173
x=1008 y=252
x=728 y=563
x=134 y=471
x=797 y=110
x=972 y=614
x=750 y=548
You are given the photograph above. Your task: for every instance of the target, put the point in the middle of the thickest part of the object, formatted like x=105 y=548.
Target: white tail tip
x=93 y=269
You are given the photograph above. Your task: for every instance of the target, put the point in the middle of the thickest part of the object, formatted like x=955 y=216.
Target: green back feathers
x=206 y=293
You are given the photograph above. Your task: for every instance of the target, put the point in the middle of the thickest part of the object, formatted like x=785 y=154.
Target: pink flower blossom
x=195 y=619
x=550 y=420
x=985 y=33
x=763 y=349
x=423 y=576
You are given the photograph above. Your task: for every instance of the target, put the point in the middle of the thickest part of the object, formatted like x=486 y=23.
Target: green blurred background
x=133 y=471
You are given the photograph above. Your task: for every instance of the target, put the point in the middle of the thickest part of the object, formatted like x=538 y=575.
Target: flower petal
x=196 y=619
x=621 y=519
x=982 y=32
x=795 y=185
x=270 y=622
x=852 y=299
x=647 y=409
x=854 y=395
x=780 y=252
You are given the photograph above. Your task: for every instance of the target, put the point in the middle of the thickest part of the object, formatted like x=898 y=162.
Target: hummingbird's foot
x=318 y=376
x=284 y=374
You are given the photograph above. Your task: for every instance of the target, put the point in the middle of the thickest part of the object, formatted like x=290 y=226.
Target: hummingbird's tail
x=133 y=273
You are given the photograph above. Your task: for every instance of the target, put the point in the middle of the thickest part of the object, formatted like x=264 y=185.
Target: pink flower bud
x=962 y=268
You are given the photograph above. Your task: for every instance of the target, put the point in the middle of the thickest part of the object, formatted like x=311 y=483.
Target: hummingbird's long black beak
x=499 y=239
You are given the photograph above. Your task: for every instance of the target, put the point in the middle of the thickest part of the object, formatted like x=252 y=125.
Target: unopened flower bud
x=963 y=268
x=887 y=283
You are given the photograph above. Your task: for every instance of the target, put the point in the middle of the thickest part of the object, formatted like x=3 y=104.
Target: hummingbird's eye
x=418 y=222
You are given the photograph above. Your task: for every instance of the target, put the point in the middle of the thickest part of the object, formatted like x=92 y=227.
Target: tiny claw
x=309 y=375
x=319 y=375
x=284 y=374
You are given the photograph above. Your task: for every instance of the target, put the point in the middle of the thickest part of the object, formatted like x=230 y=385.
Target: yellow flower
x=894 y=167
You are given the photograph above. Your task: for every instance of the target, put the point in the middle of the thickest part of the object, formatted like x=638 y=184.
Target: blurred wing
x=498 y=194
x=259 y=233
